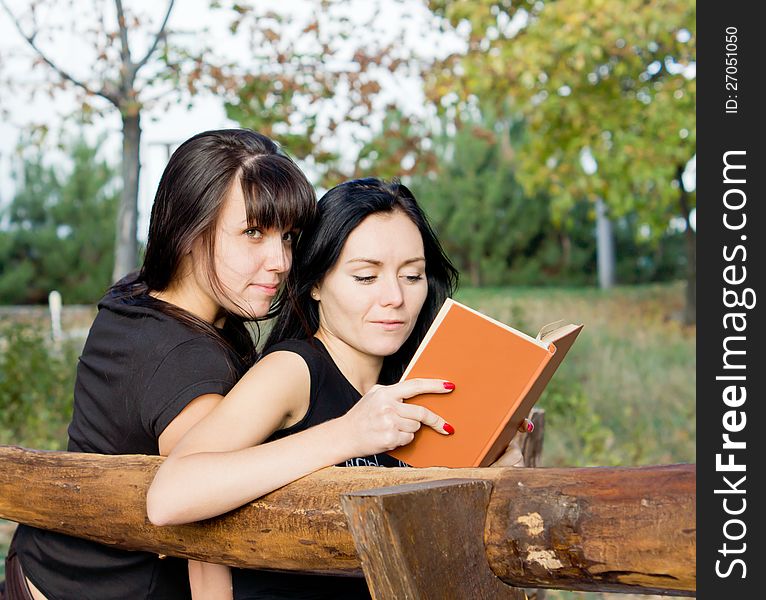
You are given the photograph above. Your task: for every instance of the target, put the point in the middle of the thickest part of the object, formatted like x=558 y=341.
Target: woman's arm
x=222 y=463
x=207 y=581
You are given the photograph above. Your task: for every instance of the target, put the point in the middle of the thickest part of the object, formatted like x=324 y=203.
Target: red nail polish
x=530 y=426
x=448 y=428
x=448 y=385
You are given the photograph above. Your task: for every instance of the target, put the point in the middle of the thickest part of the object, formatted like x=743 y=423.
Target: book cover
x=498 y=372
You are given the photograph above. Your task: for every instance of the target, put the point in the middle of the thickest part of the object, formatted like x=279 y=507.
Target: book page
x=546 y=329
x=526 y=336
x=556 y=334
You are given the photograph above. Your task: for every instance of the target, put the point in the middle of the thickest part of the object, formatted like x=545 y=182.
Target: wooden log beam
x=625 y=529
x=425 y=540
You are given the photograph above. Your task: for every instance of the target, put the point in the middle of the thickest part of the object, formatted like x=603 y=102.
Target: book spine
x=499 y=431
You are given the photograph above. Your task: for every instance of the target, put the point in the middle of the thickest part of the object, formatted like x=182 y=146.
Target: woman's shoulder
x=149 y=342
x=141 y=318
x=308 y=349
x=131 y=306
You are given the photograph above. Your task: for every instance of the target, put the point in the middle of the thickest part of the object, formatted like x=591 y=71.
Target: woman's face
x=250 y=263
x=371 y=298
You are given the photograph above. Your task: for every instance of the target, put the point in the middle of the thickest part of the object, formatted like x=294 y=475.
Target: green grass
x=625 y=395
x=6 y=533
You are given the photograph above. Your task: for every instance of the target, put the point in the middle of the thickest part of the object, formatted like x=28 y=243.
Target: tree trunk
x=624 y=529
x=690 y=238
x=474 y=272
x=566 y=251
x=604 y=247
x=126 y=244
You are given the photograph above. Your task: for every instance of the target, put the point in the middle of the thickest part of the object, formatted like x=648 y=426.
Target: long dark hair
x=341 y=210
x=186 y=207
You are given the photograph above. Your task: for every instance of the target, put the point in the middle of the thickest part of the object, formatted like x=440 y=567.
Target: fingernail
x=448 y=385
x=530 y=426
x=448 y=428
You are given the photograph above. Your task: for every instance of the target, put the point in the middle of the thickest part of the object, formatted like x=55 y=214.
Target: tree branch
x=127 y=65
x=157 y=38
x=30 y=39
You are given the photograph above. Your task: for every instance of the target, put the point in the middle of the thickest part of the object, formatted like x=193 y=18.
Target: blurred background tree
x=606 y=82
x=324 y=88
x=488 y=224
x=115 y=76
x=59 y=228
x=499 y=234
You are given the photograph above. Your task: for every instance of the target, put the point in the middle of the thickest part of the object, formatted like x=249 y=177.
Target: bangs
x=277 y=194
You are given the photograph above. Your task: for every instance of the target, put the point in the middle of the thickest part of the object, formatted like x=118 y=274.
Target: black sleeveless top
x=331 y=396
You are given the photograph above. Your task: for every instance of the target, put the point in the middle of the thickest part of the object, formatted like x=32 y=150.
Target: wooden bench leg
x=425 y=541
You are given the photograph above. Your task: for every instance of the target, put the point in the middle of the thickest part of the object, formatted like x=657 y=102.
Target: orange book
x=498 y=372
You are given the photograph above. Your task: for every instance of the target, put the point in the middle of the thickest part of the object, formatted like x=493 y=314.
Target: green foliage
x=643 y=259
x=403 y=147
x=588 y=436
x=497 y=233
x=36 y=387
x=60 y=230
x=608 y=76
x=264 y=105
x=612 y=81
x=484 y=220
x=602 y=75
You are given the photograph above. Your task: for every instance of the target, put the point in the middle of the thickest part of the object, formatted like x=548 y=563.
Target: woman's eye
x=364 y=278
x=289 y=236
x=254 y=233
x=413 y=278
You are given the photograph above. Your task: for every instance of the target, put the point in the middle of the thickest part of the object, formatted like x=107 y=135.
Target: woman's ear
x=315 y=293
x=195 y=247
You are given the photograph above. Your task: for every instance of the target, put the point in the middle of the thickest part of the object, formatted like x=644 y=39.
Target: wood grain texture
x=629 y=529
x=425 y=541
x=611 y=529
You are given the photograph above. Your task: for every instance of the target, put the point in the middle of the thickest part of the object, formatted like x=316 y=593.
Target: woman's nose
x=278 y=257
x=391 y=293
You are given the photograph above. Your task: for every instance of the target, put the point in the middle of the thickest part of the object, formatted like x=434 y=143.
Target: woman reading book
x=369 y=278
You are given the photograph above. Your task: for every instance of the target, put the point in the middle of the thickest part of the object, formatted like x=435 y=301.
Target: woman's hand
x=382 y=421
x=513 y=457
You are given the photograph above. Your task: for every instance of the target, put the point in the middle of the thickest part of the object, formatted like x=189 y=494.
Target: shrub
x=36 y=387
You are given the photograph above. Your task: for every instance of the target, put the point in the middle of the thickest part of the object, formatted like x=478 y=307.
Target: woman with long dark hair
x=169 y=341
x=369 y=278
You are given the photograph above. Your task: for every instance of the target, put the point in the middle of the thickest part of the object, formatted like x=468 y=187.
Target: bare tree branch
x=30 y=39
x=157 y=38
x=127 y=65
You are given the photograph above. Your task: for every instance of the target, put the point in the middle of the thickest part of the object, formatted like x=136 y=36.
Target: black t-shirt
x=138 y=370
x=331 y=396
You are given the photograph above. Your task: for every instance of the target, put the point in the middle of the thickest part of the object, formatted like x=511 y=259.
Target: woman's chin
x=386 y=349
x=251 y=309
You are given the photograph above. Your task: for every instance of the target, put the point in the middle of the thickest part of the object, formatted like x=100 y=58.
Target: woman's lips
x=389 y=325
x=269 y=289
